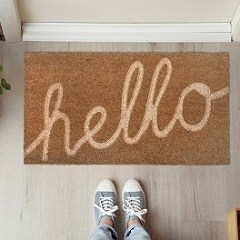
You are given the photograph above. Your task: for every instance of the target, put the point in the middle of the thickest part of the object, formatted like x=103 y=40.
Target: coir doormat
x=126 y=108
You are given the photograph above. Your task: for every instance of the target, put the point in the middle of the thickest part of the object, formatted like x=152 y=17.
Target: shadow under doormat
x=126 y=108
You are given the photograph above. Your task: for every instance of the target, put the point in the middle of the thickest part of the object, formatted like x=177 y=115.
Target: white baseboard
x=79 y=32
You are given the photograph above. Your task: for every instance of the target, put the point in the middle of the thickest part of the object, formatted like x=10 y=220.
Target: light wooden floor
x=55 y=202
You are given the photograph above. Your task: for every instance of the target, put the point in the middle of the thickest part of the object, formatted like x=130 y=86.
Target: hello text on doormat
x=126 y=108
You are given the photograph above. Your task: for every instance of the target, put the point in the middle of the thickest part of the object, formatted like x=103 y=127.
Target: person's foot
x=105 y=202
x=134 y=202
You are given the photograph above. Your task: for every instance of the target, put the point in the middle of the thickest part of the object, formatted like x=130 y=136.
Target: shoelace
x=133 y=207
x=106 y=206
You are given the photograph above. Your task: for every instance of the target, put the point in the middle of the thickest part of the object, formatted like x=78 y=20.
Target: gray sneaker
x=105 y=201
x=134 y=201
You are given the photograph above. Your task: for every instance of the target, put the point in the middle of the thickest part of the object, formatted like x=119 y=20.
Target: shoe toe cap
x=106 y=186
x=132 y=185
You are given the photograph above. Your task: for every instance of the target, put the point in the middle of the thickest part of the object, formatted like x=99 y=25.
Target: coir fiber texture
x=126 y=108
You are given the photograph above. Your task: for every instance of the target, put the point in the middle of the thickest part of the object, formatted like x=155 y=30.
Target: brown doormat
x=126 y=108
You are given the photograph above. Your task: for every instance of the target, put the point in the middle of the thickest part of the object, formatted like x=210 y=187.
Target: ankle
x=106 y=221
x=133 y=221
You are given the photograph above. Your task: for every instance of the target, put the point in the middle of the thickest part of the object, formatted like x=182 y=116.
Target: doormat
x=126 y=108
